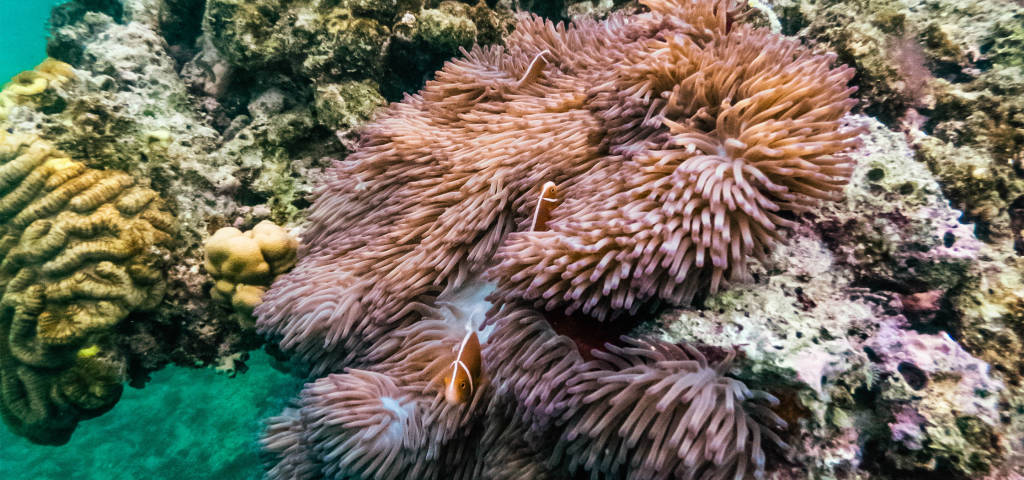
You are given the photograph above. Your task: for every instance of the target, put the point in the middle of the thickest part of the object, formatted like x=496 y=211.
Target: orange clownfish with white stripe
x=463 y=377
x=545 y=204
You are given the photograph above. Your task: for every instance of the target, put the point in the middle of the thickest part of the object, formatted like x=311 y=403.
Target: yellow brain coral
x=244 y=264
x=31 y=86
x=79 y=250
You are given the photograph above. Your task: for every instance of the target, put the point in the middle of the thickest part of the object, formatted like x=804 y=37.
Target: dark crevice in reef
x=408 y=66
x=878 y=454
x=183 y=30
x=246 y=195
x=188 y=341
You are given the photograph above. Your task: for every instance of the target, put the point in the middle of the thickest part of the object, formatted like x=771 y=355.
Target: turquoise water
x=23 y=35
x=184 y=424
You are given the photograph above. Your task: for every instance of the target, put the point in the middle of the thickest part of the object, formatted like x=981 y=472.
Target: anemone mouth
x=580 y=329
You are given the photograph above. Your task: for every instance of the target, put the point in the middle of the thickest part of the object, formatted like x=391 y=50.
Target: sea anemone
x=679 y=141
x=529 y=363
x=712 y=140
x=650 y=410
x=513 y=454
x=359 y=424
x=286 y=454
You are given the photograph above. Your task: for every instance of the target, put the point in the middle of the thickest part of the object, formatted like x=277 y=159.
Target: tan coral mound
x=243 y=264
x=79 y=250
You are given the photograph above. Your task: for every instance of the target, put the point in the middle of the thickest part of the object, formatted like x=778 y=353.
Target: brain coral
x=680 y=140
x=35 y=86
x=79 y=250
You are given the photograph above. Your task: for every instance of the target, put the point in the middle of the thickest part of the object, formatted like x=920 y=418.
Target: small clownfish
x=545 y=204
x=462 y=379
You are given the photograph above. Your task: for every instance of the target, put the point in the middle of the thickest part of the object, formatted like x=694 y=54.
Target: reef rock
x=851 y=326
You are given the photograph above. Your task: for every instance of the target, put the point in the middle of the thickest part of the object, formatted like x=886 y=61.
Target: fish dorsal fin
x=537 y=65
x=545 y=204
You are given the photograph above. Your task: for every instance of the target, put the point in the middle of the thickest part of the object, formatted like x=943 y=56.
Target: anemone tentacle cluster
x=680 y=140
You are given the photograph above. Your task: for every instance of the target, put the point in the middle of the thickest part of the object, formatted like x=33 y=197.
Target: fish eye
x=462 y=385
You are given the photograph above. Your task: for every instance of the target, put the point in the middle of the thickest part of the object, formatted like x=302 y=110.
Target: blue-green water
x=23 y=35
x=185 y=424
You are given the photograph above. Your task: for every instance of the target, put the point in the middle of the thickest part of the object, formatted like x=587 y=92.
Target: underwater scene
x=512 y=239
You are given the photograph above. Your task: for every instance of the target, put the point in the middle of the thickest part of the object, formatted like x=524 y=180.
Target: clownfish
x=464 y=373
x=545 y=204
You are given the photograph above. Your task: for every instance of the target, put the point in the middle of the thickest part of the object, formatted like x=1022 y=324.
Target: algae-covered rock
x=345 y=105
x=396 y=44
x=948 y=72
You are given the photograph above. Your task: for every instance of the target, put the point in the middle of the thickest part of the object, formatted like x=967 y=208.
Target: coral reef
x=949 y=73
x=155 y=90
x=883 y=327
x=81 y=250
x=672 y=175
x=244 y=264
